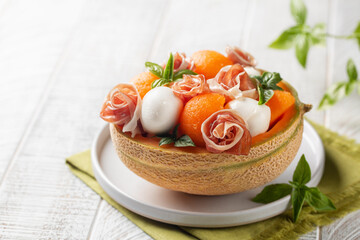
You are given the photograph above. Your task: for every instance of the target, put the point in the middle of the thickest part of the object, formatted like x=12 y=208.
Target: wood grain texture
x=29 y=50
x=112 y=224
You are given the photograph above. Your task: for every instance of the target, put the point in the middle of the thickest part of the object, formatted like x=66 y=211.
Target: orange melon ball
x=209 y=62
x=196 y=111
x=143 y=82
x=280 y=102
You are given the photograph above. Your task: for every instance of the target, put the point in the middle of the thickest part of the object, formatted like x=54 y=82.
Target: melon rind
x=208 y=173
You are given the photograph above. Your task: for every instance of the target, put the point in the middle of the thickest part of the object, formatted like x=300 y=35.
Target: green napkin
x=341 y=182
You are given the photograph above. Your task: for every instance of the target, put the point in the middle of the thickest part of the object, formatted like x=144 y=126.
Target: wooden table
x=58 y=59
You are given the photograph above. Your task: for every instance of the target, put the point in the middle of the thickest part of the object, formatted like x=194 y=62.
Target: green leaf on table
x=318 y=200
x=184 y=141
x=302 y=47
x=155 y=69
x=318 y=34
x=287 y=39
x=298 y=11
x=166 y=140
x=300 y=193
x=180 y=73
x=302 y=173
x=351 y=70
x=272 y=193
x=297 y=200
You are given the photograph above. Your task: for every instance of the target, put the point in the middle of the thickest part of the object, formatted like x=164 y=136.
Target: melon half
x=196 y=171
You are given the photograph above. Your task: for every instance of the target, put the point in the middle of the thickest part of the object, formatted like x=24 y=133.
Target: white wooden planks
x=39 y=182
x=33 y=35
x=111 y=224
x=344 y=117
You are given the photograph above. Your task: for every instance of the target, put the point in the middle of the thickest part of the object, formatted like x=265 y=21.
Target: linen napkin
x=341 y=182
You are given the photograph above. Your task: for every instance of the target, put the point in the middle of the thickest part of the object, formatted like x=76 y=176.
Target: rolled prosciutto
x=225 y=131
x=182 y=62
x=190 y=86
x=233 y=82
x=122 y=106
x=236 y=55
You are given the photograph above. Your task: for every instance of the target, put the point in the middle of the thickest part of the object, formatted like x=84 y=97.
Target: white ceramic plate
x=152 y=201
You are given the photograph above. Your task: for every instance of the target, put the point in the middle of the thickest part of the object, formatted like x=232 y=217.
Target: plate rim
x=111 y=189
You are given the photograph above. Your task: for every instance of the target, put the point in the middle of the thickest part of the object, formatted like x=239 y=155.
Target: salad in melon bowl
x=208 y=124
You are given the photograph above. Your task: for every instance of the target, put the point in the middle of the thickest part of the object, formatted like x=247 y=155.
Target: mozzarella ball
x=160 y=110
x=256 y=116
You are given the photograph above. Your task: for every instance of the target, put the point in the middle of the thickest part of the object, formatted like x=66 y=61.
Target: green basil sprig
x=300 y=193
x=183 y=141
x=166 y=75
x=266 y=84
x=302 y=37
x=339 y=90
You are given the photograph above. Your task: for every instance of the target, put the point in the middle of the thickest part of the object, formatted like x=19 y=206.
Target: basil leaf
x=272 y=193
x=270 y=80
x=159 y=82
x=302 y=173
x=261 y=95
x=180 y=73
x=349 y=87
x=351 y=70
x=184 y=141
x=302 y=47
x=334 y=93
x=257 y=77
x=165 y=141
x=155 y=69
x=298 y=11
x=268 y=93
x=267 y=83
x=318 y=34
x=357 y=33
x=287 y=39
x=169 y=69
x=264 y=95
x=297 y=200
x=318 y=200
x=174 y=132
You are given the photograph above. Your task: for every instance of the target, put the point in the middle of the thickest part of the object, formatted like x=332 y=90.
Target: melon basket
x=203 y=173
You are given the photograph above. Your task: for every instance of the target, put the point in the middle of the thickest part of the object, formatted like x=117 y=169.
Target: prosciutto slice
x=233 y=82
x=122 y=106
x=236 y=55
x=190 y=86
x=182 y=62
x=225 y=131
